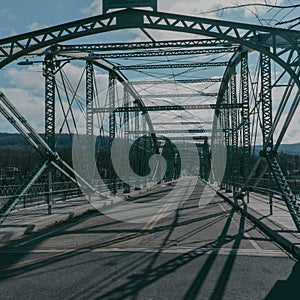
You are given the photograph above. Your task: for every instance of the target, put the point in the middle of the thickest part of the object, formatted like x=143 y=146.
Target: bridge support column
x=50 y=85
x=126 y=130
x=226 y=125
x=234 y=135
x=89 y=120
x=245 y=115
x=112 y=127
x=144 y=146
x=206 y=160
x=137 y=142
x=266 y=101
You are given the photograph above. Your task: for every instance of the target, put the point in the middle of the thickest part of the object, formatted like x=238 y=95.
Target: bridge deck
x=194 y=252
x=33 y=219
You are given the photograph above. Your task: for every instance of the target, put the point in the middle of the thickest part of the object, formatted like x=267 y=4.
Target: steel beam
x=180 y=124
x=185 y=138
x=89 y=103
x=50 y=86
x=165 y=131
x=89 y=151
x=182 y=81
x=112 y=126
x=199 y=94
x=173 y=66
x=245 y=112
x=234 y=134
x=266 y=99
x=141 y=45
x=126 y=128
x=162 y=53
x=164 y=108
x=226 y=129
x=49 y=73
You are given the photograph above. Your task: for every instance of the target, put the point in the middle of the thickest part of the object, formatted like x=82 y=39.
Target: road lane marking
x=172 y=250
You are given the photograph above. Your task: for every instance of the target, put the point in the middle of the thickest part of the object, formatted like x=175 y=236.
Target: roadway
x=194 y=253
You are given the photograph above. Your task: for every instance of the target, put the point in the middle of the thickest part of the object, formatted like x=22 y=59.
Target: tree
x=268 y=13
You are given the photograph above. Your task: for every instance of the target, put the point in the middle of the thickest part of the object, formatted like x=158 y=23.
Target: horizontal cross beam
x=165 y=108
x=200 y=80
x=173 y=66
x=185 y=138
x=181 y=123
x=180 y=95
x=163 y=53
x=167 y=131
x=140 y=45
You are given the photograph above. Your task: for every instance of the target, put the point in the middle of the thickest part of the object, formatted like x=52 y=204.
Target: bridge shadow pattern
x=131 y=279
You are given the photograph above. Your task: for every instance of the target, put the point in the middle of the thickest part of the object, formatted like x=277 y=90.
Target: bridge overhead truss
x=242 y=106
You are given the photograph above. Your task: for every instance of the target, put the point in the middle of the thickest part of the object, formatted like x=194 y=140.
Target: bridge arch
x=282 y=46
x=260 y=38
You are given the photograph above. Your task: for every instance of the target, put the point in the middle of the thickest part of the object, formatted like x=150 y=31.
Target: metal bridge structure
x=212 y=84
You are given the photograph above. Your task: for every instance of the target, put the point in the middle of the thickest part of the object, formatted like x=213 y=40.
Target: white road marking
x=172 y=250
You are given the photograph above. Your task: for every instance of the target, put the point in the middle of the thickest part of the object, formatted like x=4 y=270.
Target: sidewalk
x=279 y=225
x=32 y=219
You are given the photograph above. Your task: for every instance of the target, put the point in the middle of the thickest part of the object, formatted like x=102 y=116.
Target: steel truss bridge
x=223 y=84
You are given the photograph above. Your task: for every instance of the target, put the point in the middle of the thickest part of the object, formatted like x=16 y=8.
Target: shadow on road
x=122 y=275
x=287 y=289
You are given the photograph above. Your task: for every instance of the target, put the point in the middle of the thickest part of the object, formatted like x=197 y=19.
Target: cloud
x=6 y=13
x=27 y=88
x=30 y=78
x=95 y=8
x=35 y=26
x=31 y=107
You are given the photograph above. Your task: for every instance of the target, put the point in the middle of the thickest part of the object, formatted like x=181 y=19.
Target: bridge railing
x=264 y=185
x=37 y=194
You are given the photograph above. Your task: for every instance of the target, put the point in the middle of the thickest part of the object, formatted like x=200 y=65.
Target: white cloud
x=30 y=78
x=95 y=8
x=6 y=13
x=35 y=26
x=31 y=107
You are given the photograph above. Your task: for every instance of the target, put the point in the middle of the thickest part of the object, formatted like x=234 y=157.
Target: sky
x=18 y=16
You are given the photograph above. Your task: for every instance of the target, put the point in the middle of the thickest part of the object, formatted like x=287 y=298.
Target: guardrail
x=38 y=193
x=61 y=191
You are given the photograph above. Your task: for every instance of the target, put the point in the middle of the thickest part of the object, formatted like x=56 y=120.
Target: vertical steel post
x=144 y=146
x=221 y=128
x=227 y=142
x=136 y=136
x=266 y=101
x=89 y=106
x=49 y=73
x=126 y=131
x=112 y=125
x=89 y=69
x=234 y=134
x=245 y=115
x=206 y=160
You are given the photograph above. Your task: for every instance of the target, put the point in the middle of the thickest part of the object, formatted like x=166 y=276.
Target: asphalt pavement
x=197 y=251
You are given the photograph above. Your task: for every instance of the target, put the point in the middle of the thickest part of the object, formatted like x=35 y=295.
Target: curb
x=273 y=230
x=12 y=232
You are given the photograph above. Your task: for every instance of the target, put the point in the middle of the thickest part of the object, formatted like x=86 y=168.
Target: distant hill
x=16 y=140
x=293 y=149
